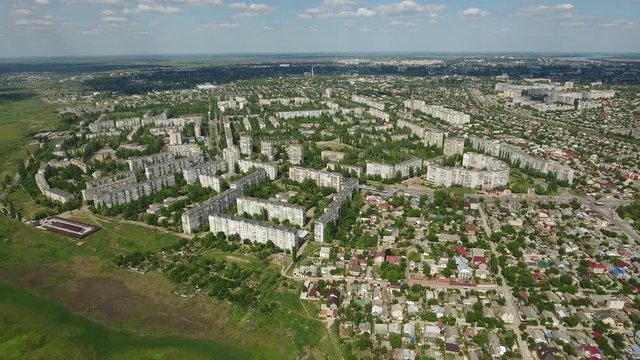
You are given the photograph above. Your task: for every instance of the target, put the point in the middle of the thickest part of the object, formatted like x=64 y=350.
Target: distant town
x=478 y=214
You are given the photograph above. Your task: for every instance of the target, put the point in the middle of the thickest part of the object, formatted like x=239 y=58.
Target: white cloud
x=361 y=12
x=365 y=29
x=623 y=23
x=22 y=11
x=410 y=8
x=95 y=2
x=115 y=19
x=197 y=2
x=313 y=29
x=572 y=23
x=546 y=9
x=42 y=2
x=473 y=12
x=218 y=25
x=44 y=22
x=152 y=7
x=268 y=28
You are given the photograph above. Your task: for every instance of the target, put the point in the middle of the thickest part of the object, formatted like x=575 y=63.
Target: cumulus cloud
x=473 y=12
x=94 y=2
x=22 y=11
x=41 y=2
x=152 y=7
x=345 y=9
x=45 y=22
x=547 y=9
x=268 y=28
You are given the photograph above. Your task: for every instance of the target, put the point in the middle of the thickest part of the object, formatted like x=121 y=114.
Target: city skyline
x=145 y=27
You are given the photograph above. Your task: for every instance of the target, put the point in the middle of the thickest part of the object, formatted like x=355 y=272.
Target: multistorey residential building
x=271 y=167
x=440 y=112
x=231 y=155
x=139 y=162
x=285 y=115
x=388 y=171
x=379 y=114
x=518 y=158
x=429 y=136
x=211 y=181
x=210 y=168
x=453 y=146
x=333 y=156
x=46 y=190
x=478 y=171
x=322 y=178
x=175 y=138
x=171 y=167
x=268 y=149
x=285 y=101
x=246 y=146
x=228 y=133
x=186 y=150
x=331 y=213
x=119 y=193
x=295 y=152
x=275 y=209
x=254 y=231
x=196 y=216
x=367 y=101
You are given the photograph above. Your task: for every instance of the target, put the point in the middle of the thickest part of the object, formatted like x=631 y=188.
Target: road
x=506 y=293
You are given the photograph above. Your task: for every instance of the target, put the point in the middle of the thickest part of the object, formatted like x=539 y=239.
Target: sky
x=131 y=27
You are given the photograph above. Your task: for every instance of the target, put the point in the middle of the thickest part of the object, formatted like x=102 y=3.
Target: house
x=393 y=259
x=333 y=298
x=592 y=352
x=313 y=293
x=505 y=315
x=325 y=252
x=397 y=311
x=409 y=329
x=615 y=304
x=596 y=267
x=474 y=203
x=546 y=352
x=451 y=347
x=404 y=354
x=620 y=273
x=354 y=268
x=380 y=329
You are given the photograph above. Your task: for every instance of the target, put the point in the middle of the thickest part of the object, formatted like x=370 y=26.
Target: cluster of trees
x=476 y=317
x=631 y=211
x=393 y=273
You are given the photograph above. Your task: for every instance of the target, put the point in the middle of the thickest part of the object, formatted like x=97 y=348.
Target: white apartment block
x=275 y=209
x=175 y=138
x=210 y=168
x=231 y=155
x=254 y=231
x=388 y=171
x=271 y=168
x=453 y=117
x=519 y=158
x=379 y=114
x=367 y=101
x=331 y=213
x=429 y=136
x=246 y=146
x=211 y=181
x=322 y=178
x=295 y=152
x=453 y=146
x=119 y=195
x=196 y=216
x=478 y=171
x=268 y=149
x=186 y=150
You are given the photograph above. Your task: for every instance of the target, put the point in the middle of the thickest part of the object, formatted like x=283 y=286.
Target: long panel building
x=478 y=171
x=322 y=178
x=518 y=158
x=388 y=171
x=332 y=211
x=275 y=209
x=254 y=231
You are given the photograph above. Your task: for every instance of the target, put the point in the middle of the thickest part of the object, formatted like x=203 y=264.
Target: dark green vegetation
x=632 y=212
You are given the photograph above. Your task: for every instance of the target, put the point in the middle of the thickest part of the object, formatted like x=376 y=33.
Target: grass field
x=33 y=327
x=52 y=283
x=17 y=119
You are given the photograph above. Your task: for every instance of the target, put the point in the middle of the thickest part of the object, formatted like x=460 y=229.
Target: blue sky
x=116 y=27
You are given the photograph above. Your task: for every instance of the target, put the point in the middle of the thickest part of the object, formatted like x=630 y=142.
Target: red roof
x=479 y=259
x=596 y=265
x=393 y=259
x=460 y=250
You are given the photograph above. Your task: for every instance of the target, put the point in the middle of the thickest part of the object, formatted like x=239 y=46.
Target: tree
x=395 y=340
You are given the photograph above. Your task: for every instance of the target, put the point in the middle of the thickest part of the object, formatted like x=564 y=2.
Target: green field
x=17 y=120
x=33 y=327
x=98 y=311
